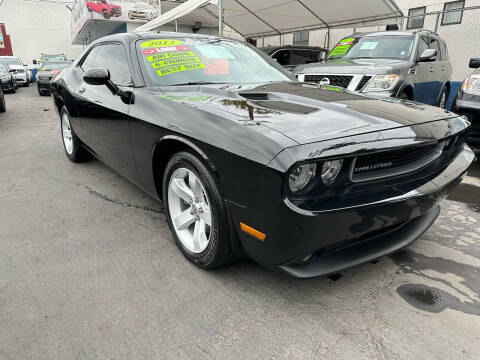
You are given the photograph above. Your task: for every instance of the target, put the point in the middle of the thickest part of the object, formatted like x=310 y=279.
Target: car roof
x=127 y=37
x=275 y=48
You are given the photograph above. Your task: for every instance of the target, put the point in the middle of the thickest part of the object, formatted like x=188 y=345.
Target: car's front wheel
x=71 y=143
x=442 y=100
x=106 y=15
x=196 y=211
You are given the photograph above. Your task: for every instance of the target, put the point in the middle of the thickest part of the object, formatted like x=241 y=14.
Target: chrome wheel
x=189 y=210
x=67 y=134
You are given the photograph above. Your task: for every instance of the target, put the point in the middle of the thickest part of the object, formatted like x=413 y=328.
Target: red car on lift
x=104 y=8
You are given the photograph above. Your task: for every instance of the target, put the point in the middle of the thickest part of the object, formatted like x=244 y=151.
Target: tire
x=77 y=153
x=40 y=92
x=106 y=15
x=442 y=99
x=217 y=250
x=3 y=105
x=14 y=88
x=27 y=84
x=403 y=96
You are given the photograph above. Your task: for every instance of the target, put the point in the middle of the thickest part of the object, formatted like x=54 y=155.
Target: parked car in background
x=104 y=8
x=412 y=66
x=290 y=56
x=142 y=11
x=467 y=102
x=47 y=72
x=6 y=79
x=3 y=105
x=18 y=69
x=249 y=161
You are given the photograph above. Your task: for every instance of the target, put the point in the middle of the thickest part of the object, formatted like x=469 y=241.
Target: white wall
x=35 y=28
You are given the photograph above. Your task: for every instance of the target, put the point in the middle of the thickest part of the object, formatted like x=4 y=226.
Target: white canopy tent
x=253 y=18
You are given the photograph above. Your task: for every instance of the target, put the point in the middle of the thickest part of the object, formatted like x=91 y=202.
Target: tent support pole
x=220 y=17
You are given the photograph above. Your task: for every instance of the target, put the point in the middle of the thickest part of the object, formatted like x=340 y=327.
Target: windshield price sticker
x=179 y=68
x=160 y=43
x=342 y=47
x=170 y=55
x=160 y=50
x=175 y=61
x=370 y=45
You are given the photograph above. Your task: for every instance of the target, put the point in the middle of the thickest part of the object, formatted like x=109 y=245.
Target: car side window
x=114 y=58
x=422 y=45
x=88 y=61
x=282 y=57
x=434 y=44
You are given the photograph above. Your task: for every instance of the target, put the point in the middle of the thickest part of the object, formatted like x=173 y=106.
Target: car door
x=104 y=116
x=424 y=72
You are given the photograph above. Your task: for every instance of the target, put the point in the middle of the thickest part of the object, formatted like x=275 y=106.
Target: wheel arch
x=163 y=150
x=407 y=89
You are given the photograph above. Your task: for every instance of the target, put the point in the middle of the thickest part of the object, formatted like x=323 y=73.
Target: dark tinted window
x=282 y=57
x=88 y=61
x=114 y=58
x=434 y=44
x=304 y=56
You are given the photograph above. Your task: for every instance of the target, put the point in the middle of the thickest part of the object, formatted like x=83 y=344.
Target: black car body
x=47 y=72
x=298 y=178
x=467 y=102
x=7 y=81
x=291 y=56
x=3 y=106
x=412 y=66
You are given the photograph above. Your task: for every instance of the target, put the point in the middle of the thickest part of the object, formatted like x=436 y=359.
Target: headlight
x=471 y=85
x=4 y=78
x=301 y=176
x=382 y=83
x=330 y=171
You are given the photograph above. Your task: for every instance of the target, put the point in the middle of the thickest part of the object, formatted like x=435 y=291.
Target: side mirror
x=97 y=77
x=474 y=63
x=428 y=55
x=34 y=62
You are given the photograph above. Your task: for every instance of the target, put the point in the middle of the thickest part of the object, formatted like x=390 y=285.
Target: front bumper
x=8 y=85
x=20 y=78
x=334 y=240
x=44 y=85
x=470 y=107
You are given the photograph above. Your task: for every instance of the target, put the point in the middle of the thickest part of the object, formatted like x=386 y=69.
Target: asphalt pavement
x=89 y=270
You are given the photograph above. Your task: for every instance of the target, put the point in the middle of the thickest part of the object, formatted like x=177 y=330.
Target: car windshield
x=56 y=65
x=11 y=61
x=3 y=69
x=183 y=61
x=53 y=58
x=373 y=47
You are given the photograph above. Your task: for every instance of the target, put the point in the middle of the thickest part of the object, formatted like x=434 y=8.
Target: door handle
x=81 y=90
x=432 y=70
x=443 y=69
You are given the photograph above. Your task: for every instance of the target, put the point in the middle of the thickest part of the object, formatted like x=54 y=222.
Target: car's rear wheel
x=196 y=211
x=27 y=83
x=3 y=105
x=71 y=143
x=403 y=96
x=442 y=100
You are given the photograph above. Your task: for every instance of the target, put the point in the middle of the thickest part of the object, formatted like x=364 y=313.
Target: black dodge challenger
x=250 y=162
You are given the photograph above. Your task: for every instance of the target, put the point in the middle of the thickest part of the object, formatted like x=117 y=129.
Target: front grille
x=394 y=162
x=363 y=82
x=335 y=80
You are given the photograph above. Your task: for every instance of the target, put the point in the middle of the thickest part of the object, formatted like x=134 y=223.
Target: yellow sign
x=179 y=68
x=176 y=61
x=160 y=43
x=169 y=55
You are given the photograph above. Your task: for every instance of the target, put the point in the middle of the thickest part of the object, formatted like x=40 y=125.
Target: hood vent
x=255 y=96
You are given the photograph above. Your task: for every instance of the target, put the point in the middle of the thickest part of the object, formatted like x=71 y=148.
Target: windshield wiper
x=196 y=83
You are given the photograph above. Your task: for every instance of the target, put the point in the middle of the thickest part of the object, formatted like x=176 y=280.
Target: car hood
x=16 y=67
x=302 y=112
x=356 y=66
